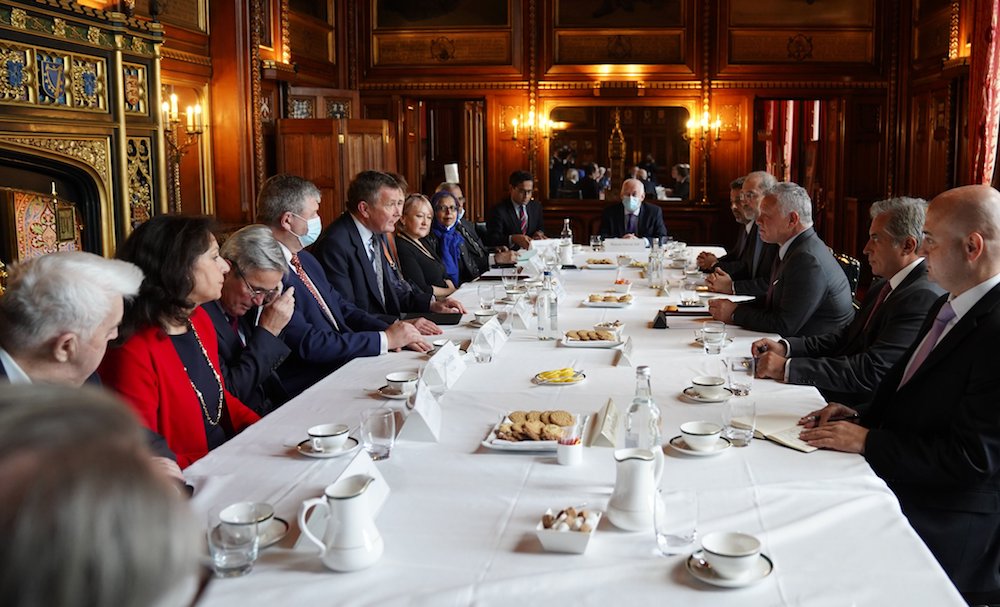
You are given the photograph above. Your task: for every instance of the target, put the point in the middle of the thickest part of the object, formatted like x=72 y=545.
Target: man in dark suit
x=737 y=256
x=932 y=431
x=809 y=293
x=632 y=218
x=848 y=365
x=517 y=220
x=750 y=275
x=325 y=330
x=352 y=254
x=250 y=316
x=589 y=188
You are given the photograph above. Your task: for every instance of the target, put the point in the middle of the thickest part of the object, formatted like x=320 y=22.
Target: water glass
x=595 y=243
x=739 y=416
x=740 y=372
x=689 y=292
x=675 y=518
x=509 y=278
x=232 y=544
x=378 y=432
x=486 y=296
x=713 y=336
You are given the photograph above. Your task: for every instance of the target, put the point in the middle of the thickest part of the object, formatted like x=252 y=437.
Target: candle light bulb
x=173 y=107
x=197 y=118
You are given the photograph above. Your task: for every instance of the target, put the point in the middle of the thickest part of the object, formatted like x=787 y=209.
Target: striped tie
x=301 y=273
x=523 y=217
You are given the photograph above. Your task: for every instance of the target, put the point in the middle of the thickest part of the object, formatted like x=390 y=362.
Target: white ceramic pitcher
x=351 y=541
x=636 y=478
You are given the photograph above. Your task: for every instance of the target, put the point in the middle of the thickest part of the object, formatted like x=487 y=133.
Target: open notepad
x=781 y=428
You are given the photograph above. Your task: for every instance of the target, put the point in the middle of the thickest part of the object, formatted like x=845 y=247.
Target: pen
x=841 y=418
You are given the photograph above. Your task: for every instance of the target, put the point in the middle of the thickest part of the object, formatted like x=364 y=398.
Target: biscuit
x=545 y=417
x=596 y=297
x=605 y=336
x=517 y=416
x=534 y=416
x=561 y=418
x=551 y=432
x=533 y=430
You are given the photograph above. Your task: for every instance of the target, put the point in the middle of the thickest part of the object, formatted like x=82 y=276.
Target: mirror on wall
x=618 y=138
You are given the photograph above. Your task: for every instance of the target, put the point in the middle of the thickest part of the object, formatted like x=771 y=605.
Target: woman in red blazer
x=167 y=366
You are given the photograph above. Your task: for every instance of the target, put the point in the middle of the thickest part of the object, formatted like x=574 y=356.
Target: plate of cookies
x=601 y=263
x=529 y=431
x=608 y=300
x=595 y=338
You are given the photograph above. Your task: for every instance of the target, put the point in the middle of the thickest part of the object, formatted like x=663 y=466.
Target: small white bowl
x=731 y=555
x=483 y=316
x=616 y=330
x=573 y=542
x=622 y=288
x=708 y=386
x=701 y=436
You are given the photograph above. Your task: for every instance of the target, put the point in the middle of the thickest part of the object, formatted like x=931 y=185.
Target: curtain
x=984 y=110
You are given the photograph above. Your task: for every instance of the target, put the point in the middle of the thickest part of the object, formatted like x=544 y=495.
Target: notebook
x=781 y=428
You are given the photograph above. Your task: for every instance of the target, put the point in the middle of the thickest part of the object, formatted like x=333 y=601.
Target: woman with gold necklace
x=167 y=366
x=419 y=264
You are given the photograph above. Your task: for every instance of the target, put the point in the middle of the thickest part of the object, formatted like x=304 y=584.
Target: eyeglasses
x=447 y=209
x=523 y=192
x=268 y=295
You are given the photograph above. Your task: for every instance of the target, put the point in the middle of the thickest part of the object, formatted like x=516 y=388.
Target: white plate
x=579 y=343
x=384 y=392
x=601 y=266
x=606 y=304
x=704 y=572
x=492 y=442
x=691 y=393
x=579 y=377
x=678 y=443
x=305 y=448
x=273 y=531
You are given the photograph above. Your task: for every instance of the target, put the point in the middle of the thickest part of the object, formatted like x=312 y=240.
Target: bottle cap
x=642 y=370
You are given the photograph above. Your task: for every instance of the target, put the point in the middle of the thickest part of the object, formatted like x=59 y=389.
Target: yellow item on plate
x=566 y=374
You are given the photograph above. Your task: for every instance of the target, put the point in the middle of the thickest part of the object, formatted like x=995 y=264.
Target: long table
x=459 y=523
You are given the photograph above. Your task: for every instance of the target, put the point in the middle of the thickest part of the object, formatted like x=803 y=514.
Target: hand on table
x=720 y=282
x=425 y=326
x=521 y=240
x=842 y=434
x=401 y=334
x=448 y=306
x=722 y=309
x=706 y=260
x=770 y=355
x=505 y=256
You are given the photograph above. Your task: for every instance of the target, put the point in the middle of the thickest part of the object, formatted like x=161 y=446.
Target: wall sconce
x=530 y=131
x=194 y=127
x=704 y=134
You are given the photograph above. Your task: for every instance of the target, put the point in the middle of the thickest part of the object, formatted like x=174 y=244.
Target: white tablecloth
x=459 y=524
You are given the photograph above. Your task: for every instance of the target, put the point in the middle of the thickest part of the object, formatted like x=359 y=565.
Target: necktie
x=375 y=255
x=944 y=316
x=775 y=271
x=758 y=247
x=234 y=322
x=523 y=217
x=301 y=273
x=630 y=228
x=886 y=289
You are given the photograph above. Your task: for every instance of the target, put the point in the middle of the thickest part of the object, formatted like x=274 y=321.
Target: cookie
x=533 y=430
x=534 y=416
x=517 y=416
x=561 y=418
x=551 y=432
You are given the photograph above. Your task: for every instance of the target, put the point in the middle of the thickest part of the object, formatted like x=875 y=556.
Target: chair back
x=851 y=268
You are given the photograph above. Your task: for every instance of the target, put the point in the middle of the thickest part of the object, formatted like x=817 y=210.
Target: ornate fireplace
x=79 y=99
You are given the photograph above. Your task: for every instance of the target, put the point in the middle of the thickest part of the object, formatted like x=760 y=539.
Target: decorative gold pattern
x=16 y=74
x=405 y=86
x=169 y=53
x=59 y=27
x=140 y=180
x=19 y=18
x=94 y=34
x=92 y=151
x=782 y=84
x=256 y=116
x=953 y=30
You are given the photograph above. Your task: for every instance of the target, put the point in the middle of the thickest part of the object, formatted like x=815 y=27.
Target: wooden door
x=309 y=148
x=471 y=168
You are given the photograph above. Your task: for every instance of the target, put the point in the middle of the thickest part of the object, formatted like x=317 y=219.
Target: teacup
x=482 y=316
x=731 y=555
x=701 y=436
x=328 y=437
x=243 y=513
x=401 y=382
x=440 y=343
x=708 y=386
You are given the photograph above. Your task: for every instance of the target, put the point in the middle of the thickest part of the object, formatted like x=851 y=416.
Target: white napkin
x=444 y=368
x=490 y=338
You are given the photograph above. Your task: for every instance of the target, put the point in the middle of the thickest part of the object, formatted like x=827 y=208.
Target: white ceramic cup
x=328 y=437
x=482 y=316
x=569 y=454
x=709 y=386
x=245 y=512
x=731 y=554
x=402 y=382
x=701 y=436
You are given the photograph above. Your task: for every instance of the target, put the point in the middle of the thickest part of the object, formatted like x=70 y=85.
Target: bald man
x=933 y=430
x=633 y=218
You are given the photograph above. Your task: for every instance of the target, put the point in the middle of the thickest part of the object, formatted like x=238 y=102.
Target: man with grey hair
x=250 y=316
x=808 y=292
x=632 y=218
x=752 y=276
x=847 y=365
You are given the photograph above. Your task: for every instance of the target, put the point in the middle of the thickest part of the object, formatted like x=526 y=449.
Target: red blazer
x=148 y=373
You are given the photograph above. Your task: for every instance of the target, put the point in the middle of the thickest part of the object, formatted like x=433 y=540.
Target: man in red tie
x=847 y=365
x=516 y=221
x=933 y=429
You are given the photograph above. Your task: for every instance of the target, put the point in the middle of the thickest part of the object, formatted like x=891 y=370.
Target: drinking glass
x=509 y=278
x=675 y=518
x=486 y=296
x=739 y=416
x=713 y=336
x=740 y=371
x=595 y=243
x=499 y=293
x=232 y=543
x=689 y=292
x=378 y=432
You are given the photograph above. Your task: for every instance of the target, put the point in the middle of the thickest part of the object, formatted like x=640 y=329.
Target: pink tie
x=944 y=316
x=523 y=217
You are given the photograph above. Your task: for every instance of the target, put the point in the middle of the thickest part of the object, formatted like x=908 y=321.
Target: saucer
x=385 y=392
x=678 y=444
x=703 y=571
x=700 y=342
x=305 y=448
x=691 y=393
x=272 y=532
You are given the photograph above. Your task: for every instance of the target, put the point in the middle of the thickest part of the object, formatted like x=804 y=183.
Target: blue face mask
x=631 y=203
x=313 y=229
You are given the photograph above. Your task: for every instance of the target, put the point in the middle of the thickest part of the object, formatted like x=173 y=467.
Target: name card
x=424 y=421
x=522 y=315
x=605 y=432
x=444 y=368
x=490 y=338
x=624 y=358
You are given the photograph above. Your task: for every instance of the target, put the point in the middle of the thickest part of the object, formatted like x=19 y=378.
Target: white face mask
x=313 y=230
x=461 y=214
x=631 y=203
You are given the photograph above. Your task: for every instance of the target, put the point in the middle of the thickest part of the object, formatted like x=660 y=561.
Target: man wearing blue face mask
x=632 y=218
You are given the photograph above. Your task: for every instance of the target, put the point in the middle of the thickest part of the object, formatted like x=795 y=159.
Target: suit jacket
x=750 y=278
x=345 y=260
x=589 y=188
x=848 y=365
x=149 y=375
x=477 y=248
x=740 y=257
x=317 y=348
x=810 y=295
x=936 y=442
x=502 y=222
x=249 y=370
x=649 y=225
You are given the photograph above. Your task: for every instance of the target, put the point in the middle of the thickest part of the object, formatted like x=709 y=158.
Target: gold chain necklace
x=218 y=380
